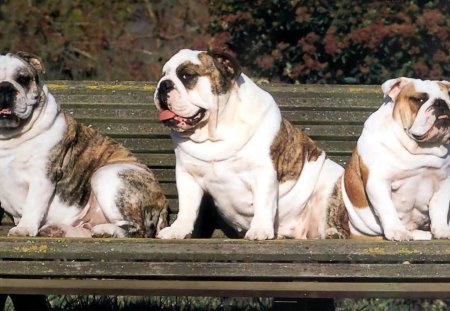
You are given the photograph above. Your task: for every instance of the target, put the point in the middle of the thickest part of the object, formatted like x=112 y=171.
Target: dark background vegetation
x=318 y=41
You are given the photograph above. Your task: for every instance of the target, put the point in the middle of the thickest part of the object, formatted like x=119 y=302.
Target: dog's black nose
x=164 y=88
x=440 y=103
x=7 y=94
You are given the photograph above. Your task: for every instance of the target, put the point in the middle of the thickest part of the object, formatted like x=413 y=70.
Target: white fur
x=229 y=158
x=408 y=185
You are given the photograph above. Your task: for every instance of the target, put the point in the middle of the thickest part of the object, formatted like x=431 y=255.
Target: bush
x=335 y=41
x=114 y=40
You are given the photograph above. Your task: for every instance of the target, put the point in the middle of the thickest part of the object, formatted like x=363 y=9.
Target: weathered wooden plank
x=350 y=91
x=228 y=270
x=163 y=164
x=165 y=175
x=87 y=115
x=158 y=160
x=140 y=96
x=227 y=288
x=285 y=103
x=436 y=251
x=123 y=128
x=149 y=145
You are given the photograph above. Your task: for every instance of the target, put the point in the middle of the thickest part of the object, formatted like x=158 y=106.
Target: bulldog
x=397 y=183
x=61 y=178
x=267 y=178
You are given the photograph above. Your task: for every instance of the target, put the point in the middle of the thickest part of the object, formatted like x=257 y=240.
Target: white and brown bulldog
x=267 y=178
x=61 y=178
x=397 y=183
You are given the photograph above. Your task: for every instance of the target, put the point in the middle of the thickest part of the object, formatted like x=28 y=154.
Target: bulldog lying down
x=61 y=178
x=267 y=178
x=397 y=183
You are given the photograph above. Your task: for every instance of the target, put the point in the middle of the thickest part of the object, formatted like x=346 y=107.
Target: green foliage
x=376 y=304
x=121 y=303
x=335 y=41
x=84 y=39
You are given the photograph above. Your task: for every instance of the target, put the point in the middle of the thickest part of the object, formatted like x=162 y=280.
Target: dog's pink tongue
x=166 y=115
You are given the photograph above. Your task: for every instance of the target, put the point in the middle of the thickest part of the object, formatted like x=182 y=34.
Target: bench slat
x=227 y=288
x=327 y=251
x=220 y=270
x=126 y=128
x=147 y=115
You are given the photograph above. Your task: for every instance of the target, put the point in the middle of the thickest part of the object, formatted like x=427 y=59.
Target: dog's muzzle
x=163 y=90
x=8 y=94
x=441 y=111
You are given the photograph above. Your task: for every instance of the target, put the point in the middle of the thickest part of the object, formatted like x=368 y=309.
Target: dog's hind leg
x=131 y=200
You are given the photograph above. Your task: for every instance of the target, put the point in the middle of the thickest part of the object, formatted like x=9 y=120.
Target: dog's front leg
x=439 y=211
x=379 y=193
x=36 y=206
x=190 y=195
x=265 y=204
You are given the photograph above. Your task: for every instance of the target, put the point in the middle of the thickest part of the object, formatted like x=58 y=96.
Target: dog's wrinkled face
x=19 y=88
x=422 y=107
x=191 y=84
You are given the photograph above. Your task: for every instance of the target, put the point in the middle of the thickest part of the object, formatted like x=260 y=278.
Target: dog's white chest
x=15 y=174
x=413 y=193
x=230 y=183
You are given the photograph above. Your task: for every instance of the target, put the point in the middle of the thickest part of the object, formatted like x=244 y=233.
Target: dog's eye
x=23 y=80
x=419 y=100
x=187 y=76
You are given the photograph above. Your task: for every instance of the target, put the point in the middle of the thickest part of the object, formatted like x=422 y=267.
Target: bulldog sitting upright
x=61 y=178
x=397 y=183
x=266 y=177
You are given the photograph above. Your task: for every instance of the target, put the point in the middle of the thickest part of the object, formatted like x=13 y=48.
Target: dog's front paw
x=260 y=233
x=19 y=231
x=442 y=232
x=398 y=234
x=174 y=232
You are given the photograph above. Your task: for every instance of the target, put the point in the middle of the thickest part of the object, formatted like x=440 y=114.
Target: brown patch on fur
x=406 y=107
x=290 y=149
x=337 y=216
x=355 y=179
x=80 y=153
x=444 y=87
x=221 y=73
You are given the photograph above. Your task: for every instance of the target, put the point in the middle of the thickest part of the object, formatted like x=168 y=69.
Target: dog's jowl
x=266 y=177
x=61 y=178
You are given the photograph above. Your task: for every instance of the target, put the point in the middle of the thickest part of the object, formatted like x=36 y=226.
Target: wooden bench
x=332 y=115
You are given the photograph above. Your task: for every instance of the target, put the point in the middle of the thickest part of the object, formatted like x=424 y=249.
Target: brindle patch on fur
x=355 y=180
x=290 y=149
x=337 y=216
x=74 y=160
x=142 y=202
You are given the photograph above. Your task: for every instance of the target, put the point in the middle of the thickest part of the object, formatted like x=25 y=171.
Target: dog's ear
x=446 y=84
x=393 y=87
x=226 y=64
x=33 y=60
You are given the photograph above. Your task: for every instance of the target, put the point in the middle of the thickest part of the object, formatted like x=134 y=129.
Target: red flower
x=330 y=45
